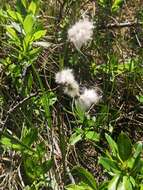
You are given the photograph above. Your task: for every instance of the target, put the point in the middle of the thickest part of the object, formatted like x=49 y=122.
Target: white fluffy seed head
x=64 y=77
x=88 y=98
x=72 y=89
x=81 y=32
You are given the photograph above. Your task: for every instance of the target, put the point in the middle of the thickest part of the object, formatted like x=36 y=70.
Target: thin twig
x=124 y=24
x=21 y=102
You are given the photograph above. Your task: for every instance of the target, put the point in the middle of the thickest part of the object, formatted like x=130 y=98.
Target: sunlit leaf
x=92 y=135
x=30 y=136
x=82 y=186
x=85 y=176
x=124 y=146
x=47 y=165
x=140 y=98
x=75 y=138
x=112 y=144
x=113 y=183
x=12 y=33
x=15 y=15
x=32 y=7
x=37 y=35
x=116 y=5
x=109 y=165
x=28 y=24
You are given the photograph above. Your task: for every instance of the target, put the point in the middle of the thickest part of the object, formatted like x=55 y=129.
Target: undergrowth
x=71 y=95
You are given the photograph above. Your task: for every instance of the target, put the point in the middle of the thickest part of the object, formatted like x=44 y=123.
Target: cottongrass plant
x=71 y=88
x=81 y=32
x=88 y=98
x=67 y=80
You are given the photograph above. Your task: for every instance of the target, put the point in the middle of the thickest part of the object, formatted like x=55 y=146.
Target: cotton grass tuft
x=67 y=80
x=81 y=32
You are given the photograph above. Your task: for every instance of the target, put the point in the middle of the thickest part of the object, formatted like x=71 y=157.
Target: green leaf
x=10 y=143
x=125 y=184
x=29 y=84
x=132 y=180
x=112 y=144
x=47 y=165
x=113 y=183
x=30 y=166
x=27 y=41
x=34 y=52
x=12 y=33
x=32 y=7
x=92 y=135
x=80 y=113
x=102 y=3
x=12 y=14
x=137 y=165
x=50 y=97
x=37 y=35
x=75 y=138
x=29 y=136
x=82 y=186
x=124 y=146
x=24 y=2
x=41 y=149
x=15 y=15
x=138 y=148
x=13 y=142
x=109 y=165
x=3 y=14
x=6 y=142
x=140 y=98
x=116 y=5
x=141 y=186
x=21 y=6
x=28 y=24
x=85 y=176
x=103 y=185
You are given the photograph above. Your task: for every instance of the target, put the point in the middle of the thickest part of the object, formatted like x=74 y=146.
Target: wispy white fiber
x=72 y=89
x=67 y=79
x=88 y=98
x=64 y=76
x=81 y=32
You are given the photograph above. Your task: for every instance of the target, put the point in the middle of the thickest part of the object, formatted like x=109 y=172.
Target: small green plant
x=115 y=5
x=86 y=127
x=33 y=154
x=22 y=29
x=88 y=182
x=123 y=163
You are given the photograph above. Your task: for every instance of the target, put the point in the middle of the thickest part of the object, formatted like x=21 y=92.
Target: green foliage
x=87 y=132
x=124 y=163
x=116 y=5
x=84 y=134
x=81 y=186
x=33 y=159
x=23 y=30
x=140 y=98
x=124 y=146
x=115 y=69
x=85 y=176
